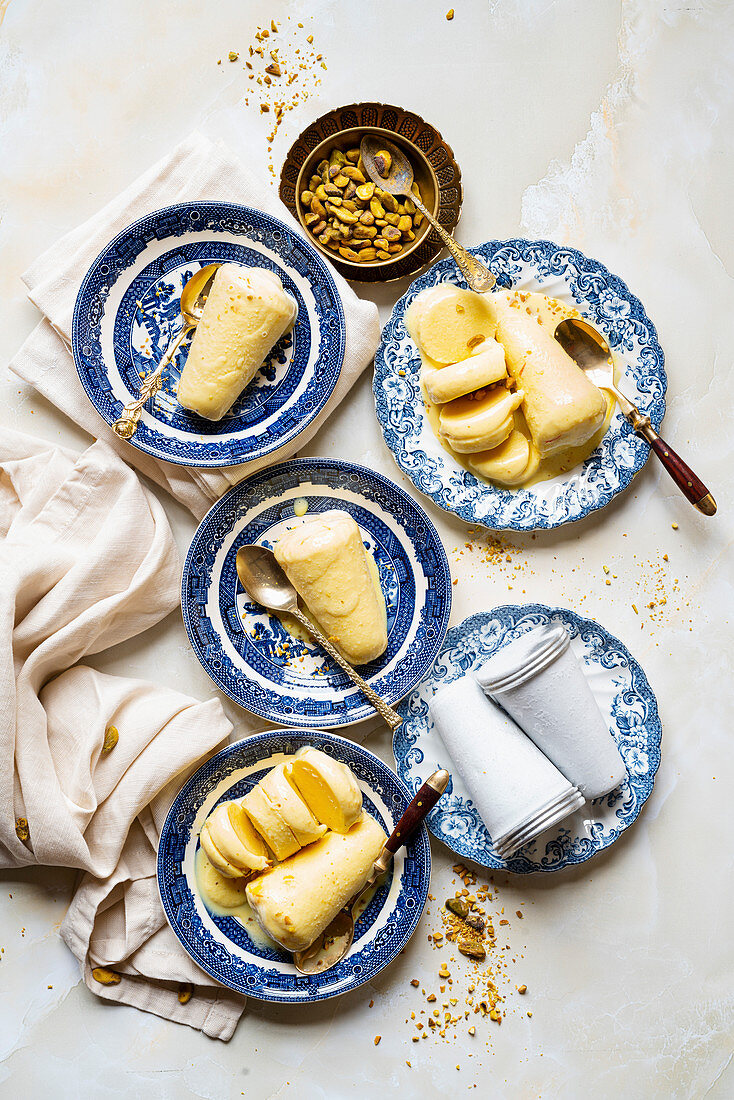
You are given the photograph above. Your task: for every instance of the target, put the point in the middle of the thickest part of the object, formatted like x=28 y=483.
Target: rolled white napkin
x=196 y=169
x=516 y=790
x=88 y=560
x=538 y=679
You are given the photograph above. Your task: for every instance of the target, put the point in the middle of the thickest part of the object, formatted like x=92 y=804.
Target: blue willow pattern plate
x=603 y=298
x=248 y=652
x=221 y=945
x=127 y=310
x=624 y=696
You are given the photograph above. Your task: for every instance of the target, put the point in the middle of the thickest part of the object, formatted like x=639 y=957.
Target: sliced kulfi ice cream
x=480 y=421
x=231 y=843
x=514 y=462
x=296 y=900
x=485 y=366
x=286 y=799
x=328 y=786
x=325 y=560
x=448 y=323
x=270 y=823
x=245 y=315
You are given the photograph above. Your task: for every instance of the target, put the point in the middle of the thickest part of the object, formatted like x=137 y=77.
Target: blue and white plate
x=624 y=696
x=222 y=945
x=128 y=308
x=600 y=296
x=248 y=652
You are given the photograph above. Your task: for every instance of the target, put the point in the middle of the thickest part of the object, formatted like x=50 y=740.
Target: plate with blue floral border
x=624 y=696
x=249 y=653
x=127 y=310
x=604 y=299
x=231 y=949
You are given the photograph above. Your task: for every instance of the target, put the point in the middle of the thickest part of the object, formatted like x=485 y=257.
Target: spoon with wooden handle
x=334 y=942
x=586 y=345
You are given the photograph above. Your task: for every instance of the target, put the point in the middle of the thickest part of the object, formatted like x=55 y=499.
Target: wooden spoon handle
x=690 y=484
x=424 y=801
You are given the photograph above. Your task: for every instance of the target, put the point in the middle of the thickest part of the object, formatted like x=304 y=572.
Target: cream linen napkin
x=196 y=169
x=88 y=560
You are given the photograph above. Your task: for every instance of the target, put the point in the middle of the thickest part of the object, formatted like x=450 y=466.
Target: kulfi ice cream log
x=245 y=315
x=561 y=406
x=325 y=560
x=296 y=900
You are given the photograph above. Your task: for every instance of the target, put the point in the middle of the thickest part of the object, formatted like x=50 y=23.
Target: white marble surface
x=607 y=125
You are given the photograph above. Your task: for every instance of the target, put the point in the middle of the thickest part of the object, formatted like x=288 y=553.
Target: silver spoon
x=334 y=942
x=586 y=345
x=398 y=180
x=265 y=582
x=193 y=297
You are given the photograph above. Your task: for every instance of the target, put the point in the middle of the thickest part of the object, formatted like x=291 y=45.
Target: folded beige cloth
x=196 y=169
x=88 y=560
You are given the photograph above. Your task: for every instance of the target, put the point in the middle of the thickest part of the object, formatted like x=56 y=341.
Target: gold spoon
x=334 y=942
x=398 y=180
x=265 y=582
x=193 y=297
x=586 y=345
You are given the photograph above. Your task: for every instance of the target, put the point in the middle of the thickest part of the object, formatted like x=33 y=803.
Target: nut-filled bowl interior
x=363 y=228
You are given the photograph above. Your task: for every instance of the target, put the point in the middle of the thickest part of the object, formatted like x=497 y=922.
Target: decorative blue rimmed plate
x=624 y=696
x=603 y=298
x=128 y=308
x=222 y=945
x=248 y=652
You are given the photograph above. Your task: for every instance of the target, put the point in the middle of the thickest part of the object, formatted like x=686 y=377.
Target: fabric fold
x=90 y=763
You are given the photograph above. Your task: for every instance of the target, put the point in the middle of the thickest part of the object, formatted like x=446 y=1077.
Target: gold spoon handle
x=127 y=422
x=385 y=711
x=477 y=276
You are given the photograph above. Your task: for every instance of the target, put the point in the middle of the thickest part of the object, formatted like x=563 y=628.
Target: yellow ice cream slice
x=245 y=315
x=325 y=560
x=448 y=323
x=483 y=368
x=216 y=889
x=233 y=835
x=512 y=463
x=479 y=423
x=327 y=786
x=284 y=797
x=561 y=406
x=269 y=823
x=295 y=900
x=215 y=856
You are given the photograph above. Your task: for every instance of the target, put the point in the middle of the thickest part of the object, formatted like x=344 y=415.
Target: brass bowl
x=435 y=170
